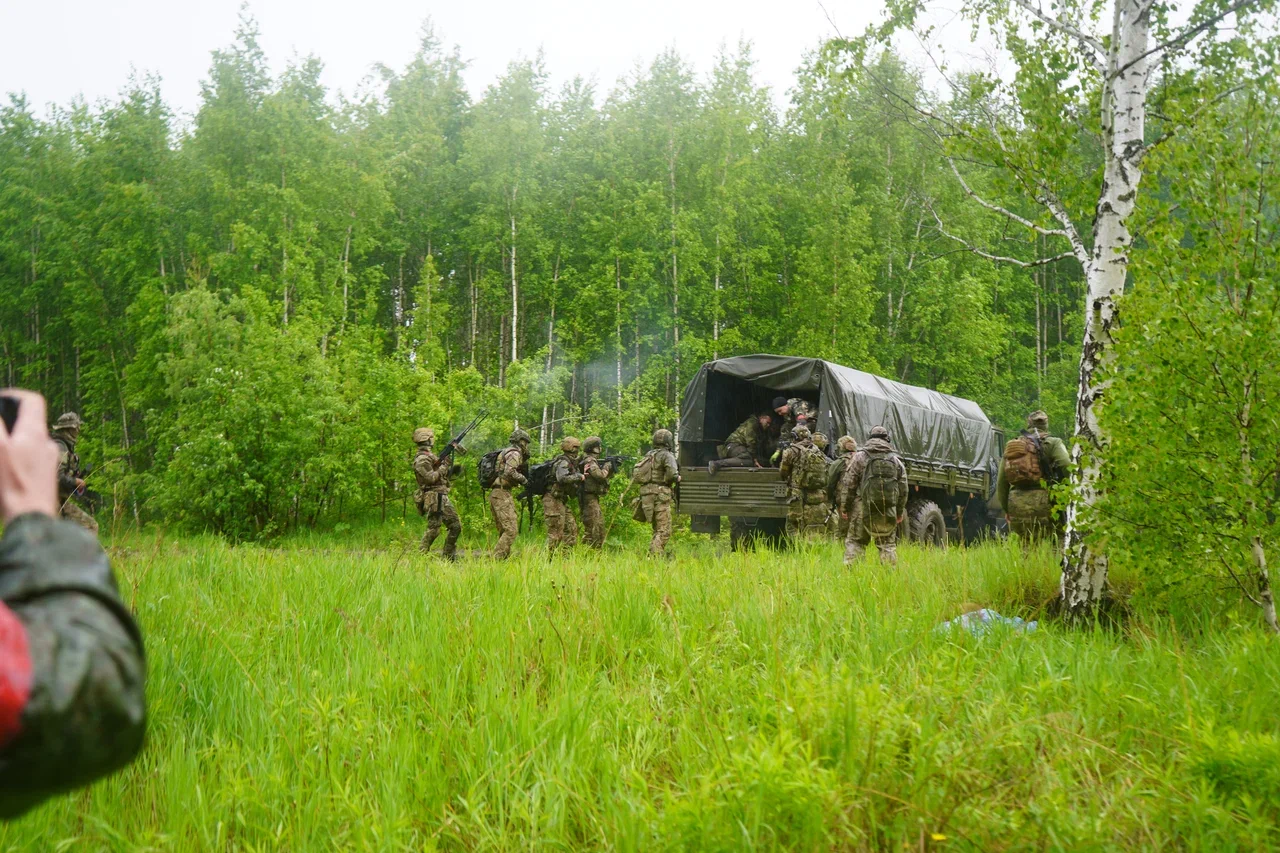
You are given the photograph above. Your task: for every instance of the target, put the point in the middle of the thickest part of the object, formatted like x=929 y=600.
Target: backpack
x=879 y=489
x=813 y=470
x=541 y=476
x=643 y=473
x=834 y=472
x=487 y=469
x=1022 y=465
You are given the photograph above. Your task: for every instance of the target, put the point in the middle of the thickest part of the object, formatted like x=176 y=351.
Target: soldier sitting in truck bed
x=747 y=446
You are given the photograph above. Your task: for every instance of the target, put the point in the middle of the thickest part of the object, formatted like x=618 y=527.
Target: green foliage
x=1195 y=407
x=351 y=695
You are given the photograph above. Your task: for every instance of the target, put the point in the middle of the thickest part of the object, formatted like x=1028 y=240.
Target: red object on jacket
x=15 y=674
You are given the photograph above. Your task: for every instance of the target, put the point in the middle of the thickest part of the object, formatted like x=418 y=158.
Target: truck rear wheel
x=926 y=524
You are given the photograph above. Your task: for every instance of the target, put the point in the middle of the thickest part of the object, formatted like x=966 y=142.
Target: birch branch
x=1188 y=35
x=1091 y=47
x=1039 y=262
x=1186 y=120
x=1005 y=212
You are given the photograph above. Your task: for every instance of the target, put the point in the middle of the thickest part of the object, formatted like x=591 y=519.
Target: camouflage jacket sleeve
x=426 y=469
x=745 y=434
x=788 y=461
x=1002 y=489
x=76 y=709
x=594 y=469
x=1056 y=450
x=566 y=472
x=667 y=467
x=509 y=468
x=852 y=477
x=66 y=472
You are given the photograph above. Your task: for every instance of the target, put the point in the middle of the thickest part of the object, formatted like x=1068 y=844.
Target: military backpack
x=643 y=474
x=1022 y=466
x=879 y=489
x=541 y=476
x=812 y=476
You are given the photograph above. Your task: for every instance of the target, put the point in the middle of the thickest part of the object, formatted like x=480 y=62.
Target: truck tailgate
x=751 y=492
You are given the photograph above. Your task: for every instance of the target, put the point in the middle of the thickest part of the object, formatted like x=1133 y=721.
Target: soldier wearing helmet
x=845 y=448
x=875 y=489
x=557 y=503
x=656 y=475
x=66 y=431
x=595 y=485
x=804 y=469
x=512 y=462
x=432 y=498
x=1032 y=464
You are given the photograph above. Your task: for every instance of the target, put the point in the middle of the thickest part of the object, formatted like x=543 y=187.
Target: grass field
x=336 y=695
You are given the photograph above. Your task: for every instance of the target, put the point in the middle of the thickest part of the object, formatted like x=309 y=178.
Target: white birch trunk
x=1124 y=101
x=515 y=289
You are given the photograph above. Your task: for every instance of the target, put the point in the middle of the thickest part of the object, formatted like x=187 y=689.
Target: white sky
x=59 y=49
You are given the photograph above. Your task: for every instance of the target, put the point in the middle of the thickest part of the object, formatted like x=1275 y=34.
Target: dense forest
x=253 y=309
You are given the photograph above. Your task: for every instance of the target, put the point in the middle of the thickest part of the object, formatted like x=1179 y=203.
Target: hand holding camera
x=28 y=458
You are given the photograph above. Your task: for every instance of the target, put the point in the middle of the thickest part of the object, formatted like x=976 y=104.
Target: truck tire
x=926 y=524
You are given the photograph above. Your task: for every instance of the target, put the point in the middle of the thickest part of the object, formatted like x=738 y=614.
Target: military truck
x=950 y=447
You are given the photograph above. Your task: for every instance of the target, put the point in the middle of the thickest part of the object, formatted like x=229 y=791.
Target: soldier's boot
x=713 y=466
x=853 y=552
x=887 y=551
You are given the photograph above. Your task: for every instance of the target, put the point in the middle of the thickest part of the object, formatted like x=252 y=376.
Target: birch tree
x=1085 y=73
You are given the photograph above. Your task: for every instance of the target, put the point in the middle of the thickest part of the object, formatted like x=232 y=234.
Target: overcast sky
x=59 y=49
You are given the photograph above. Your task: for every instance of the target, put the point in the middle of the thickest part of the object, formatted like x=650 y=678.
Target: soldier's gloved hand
x=28 y=461
x=455 y=470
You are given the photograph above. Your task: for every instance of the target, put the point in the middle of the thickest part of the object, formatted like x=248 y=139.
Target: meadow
x=347 y=693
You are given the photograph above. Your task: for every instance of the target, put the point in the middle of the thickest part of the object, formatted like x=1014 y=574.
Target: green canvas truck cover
x=926 y=426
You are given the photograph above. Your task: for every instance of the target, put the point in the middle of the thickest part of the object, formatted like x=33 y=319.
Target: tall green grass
x=327 y=695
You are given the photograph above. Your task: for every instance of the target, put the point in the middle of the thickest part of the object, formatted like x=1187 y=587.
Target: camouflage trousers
x=1030 y=514
x=562 y=527
x=806 y=520
x=441 y=512
x=736 y=456
x=654 y=508
x=866 y=528
x=842 y=519
x=71 y=511
x=593 y=521
x=507 y=519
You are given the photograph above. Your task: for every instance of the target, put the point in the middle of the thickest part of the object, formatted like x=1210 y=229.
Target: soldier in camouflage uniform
x=432 y=497
x=845 y=448
x=1028 y=506
x=503 y=506
x=875 y=487
x=804 y=468
x=557 y=503
x=794 y=412
x=594 y=487
x=656 y=475
x=746 y=446
x=72 y=668
x=66 y=431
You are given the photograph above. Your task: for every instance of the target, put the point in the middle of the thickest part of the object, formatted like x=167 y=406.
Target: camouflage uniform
x=501 y=503
x=432 y=497
x=594 y=487
x=836 y=493
x=1030 y=508
x=557 y=503
x=798 y=412
x=66 y=431
x=746 y=447
x=656 y=474
x=869 y=522
x=72 y=668
x=804 y=468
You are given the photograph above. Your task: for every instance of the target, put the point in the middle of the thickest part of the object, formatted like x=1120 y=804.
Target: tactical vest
x=591 y=485
x=564 y=491
x=880 y=489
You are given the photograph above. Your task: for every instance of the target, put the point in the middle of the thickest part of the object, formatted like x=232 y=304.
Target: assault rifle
x=457 y=440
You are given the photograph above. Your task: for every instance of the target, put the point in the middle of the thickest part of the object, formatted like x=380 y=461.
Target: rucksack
x=879 y=489
x=541 y=476
x=813 y=471
x=835 y=471
x=1022 y=461
x=487 y=469
x=643 y=473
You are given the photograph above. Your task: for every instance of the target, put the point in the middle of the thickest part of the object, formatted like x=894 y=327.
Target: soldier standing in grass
x=1033 y=463
x=746 y=446
x=656 y=475
x=501 y=502
x=875 y=486
x=557 y=503
x=66 y=431
x=432 y=497
x=804 y=468
x=845 y=448
x=595 y=486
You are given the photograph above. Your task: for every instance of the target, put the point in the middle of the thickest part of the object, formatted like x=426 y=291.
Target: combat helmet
x=570 y=444
x=880 y=432
x=592 y=444
x=801 y=433
x=820 y=440
x=67 y=421
x=519 y=436
x=662 y=438
x=424 y=435
x=847 y=444
x=1038 y=420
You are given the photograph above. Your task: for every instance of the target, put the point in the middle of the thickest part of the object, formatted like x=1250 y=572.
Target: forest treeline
x=252 y=309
